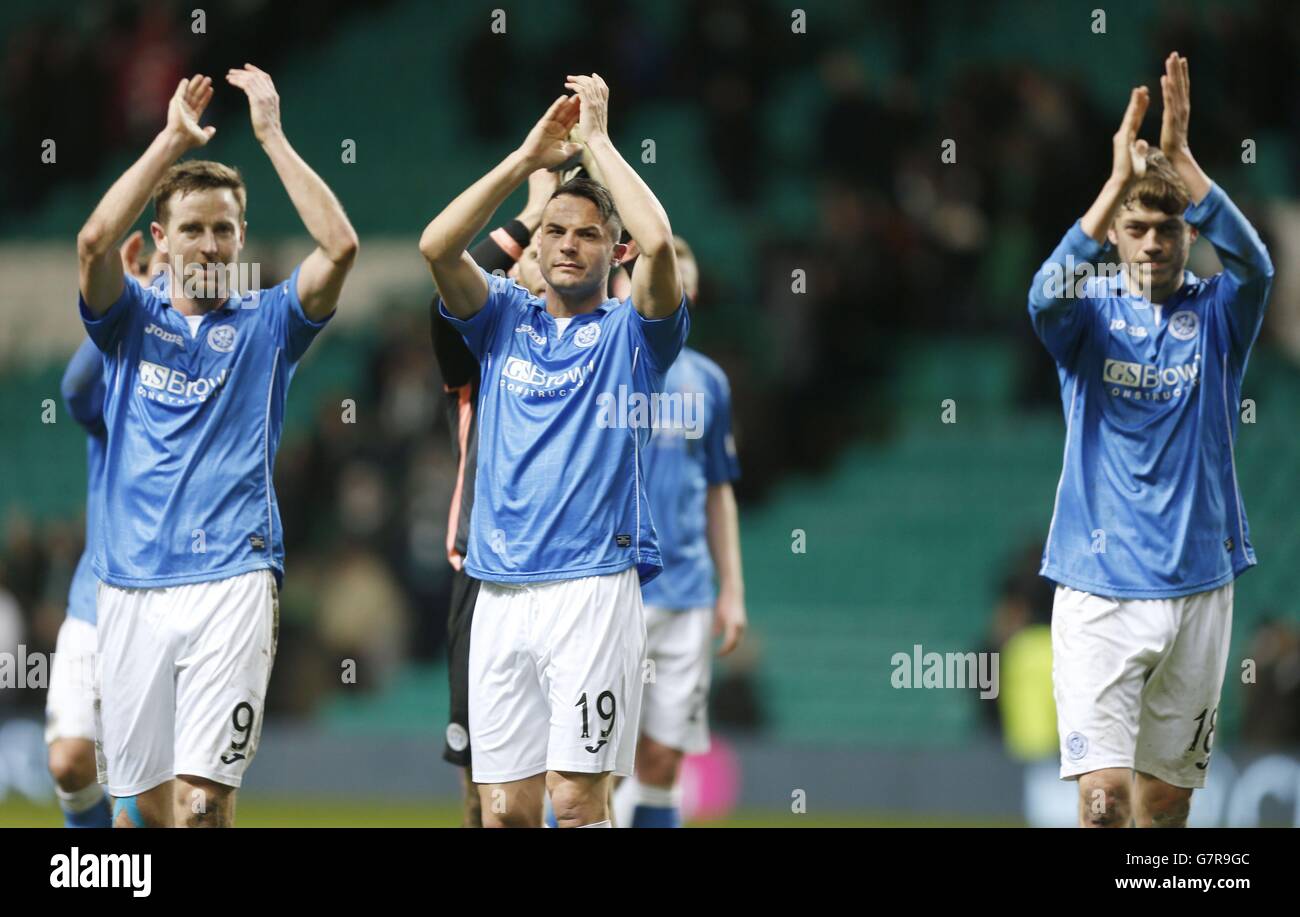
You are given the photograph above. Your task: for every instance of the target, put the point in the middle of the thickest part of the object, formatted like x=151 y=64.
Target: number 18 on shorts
x=1137 y=681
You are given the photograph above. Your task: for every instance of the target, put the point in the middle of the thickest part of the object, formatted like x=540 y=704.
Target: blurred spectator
x=362 y=616
x=1022 y=634
x=1272 y=715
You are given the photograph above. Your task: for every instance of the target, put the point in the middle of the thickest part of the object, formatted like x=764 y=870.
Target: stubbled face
x=1155 y=244
x=575 y=249
x=528 y=269
x=203 y=229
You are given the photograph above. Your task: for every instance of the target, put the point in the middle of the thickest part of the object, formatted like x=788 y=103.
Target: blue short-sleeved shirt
x=692 y=448
x=563 y=422
x=193 y=426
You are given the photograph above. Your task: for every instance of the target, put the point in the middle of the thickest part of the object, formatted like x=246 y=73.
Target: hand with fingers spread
x=594 y=97
x=1129 y=154
x=547 y=144
x=186 y=108
x=263 y=100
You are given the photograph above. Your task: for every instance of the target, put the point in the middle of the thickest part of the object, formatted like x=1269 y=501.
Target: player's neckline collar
x=161 y=285
x=603 y=307
x=1185 y=289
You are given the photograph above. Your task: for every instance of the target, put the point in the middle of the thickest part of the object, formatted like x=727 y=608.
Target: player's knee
x=1104 y=801
x=507 y=819
x=72 y=765
x=580 y=802
x=657 y=765
x=517 y=805
x=202 y=803
x=1167 y=806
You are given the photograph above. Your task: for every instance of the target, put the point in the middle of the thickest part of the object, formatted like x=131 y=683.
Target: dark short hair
x=1162 y=188
x=599 y=195
x=197 y=175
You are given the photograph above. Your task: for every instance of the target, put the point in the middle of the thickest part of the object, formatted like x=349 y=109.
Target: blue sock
x=128 y=805
x=98 y=815
x=656 y=817
x=548 y=814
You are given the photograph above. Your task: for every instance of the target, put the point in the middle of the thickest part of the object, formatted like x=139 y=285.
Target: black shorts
x=464 y=593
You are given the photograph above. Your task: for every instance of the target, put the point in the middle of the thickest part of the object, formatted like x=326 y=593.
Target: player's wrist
x=521 y=163
x=731 y=592
x=176 y=142
x=1180 y=155
x=270 y=135
x=1119 y=183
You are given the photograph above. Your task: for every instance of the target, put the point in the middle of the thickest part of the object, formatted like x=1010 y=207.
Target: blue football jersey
x=1148 y=504
x=691 y=449
x=563 y=420
x=83 y=393
x=194 y=421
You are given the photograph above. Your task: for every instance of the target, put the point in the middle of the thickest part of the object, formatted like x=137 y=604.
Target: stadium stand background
x=774 y=152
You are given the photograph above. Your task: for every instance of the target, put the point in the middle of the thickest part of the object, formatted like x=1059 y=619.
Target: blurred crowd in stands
x=903 y=243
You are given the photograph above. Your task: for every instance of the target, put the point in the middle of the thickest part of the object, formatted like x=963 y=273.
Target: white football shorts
x=555 y=677
x=70 y=701
x=183 y=678
x=675 y=709
x=1137 y=681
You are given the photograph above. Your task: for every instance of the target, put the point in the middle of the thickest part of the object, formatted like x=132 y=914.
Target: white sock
x=658 y=797
x=599 y=824
x=80 y=800
x=625 y=796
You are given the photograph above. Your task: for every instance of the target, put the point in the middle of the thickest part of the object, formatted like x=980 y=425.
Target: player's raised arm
x=656 y=285
x=1176 y=89
x=445 y=240
x=1053 y=293
x=1128 y=163
x=100 y=267
x=320 y=279
x=1243 y=255
x=1245 y=259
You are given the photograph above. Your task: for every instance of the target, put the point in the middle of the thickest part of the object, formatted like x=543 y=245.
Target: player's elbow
x=92 y=241
x=343 y=250
x=1266 y=264
x=433 y=244
x=656 y=245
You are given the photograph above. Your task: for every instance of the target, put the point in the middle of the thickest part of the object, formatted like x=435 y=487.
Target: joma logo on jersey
x=162 y=335
x=1147 y=375
x=175 y=382
x=538 y=339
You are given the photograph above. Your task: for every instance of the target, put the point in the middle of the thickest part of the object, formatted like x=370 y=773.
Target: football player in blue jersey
x=690 y=466
x=1149 y=529
x=192 y=552
x=71 y=730
x=561 y=534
